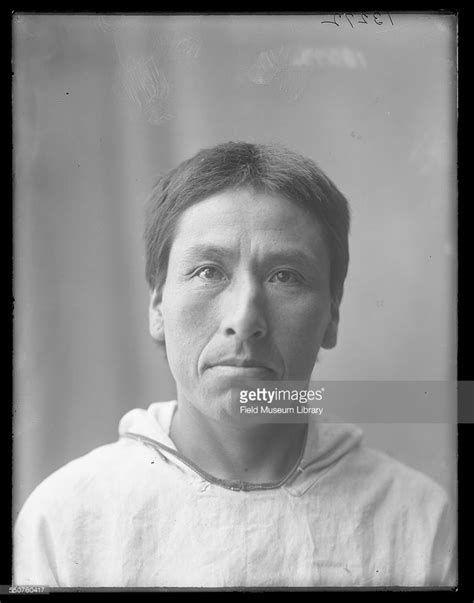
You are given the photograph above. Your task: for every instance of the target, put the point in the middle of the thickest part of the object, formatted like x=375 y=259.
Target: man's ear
x=330 y=336
x=155 y=317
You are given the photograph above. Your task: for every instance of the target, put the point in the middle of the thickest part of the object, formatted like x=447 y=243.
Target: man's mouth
x=244 y=366
x=241 y=362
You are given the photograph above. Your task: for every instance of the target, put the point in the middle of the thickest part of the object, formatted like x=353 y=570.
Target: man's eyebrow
x=308 y=262
x=294 y=256
x=208 y=251
x=281 y=256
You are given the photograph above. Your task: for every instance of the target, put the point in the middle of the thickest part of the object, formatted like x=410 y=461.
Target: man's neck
x=252 y=453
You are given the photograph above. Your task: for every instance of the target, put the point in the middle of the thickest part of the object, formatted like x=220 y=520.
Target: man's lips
x=250 y=364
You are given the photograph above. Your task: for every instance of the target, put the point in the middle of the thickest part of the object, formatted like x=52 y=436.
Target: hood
x=326 y=443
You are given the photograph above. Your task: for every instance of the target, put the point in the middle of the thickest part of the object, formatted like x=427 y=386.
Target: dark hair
x=263 y=168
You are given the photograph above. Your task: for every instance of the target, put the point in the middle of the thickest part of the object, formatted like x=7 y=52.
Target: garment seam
x=237 y=485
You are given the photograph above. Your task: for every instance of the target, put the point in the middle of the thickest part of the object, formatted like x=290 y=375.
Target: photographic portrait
x=235 y=300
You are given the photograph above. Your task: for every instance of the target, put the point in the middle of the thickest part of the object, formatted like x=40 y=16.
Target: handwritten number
x=375 y=19
x=331 y=22
x=363 y=19
x=334 y=20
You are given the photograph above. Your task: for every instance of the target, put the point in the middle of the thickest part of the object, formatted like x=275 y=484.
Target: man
x=247 y=252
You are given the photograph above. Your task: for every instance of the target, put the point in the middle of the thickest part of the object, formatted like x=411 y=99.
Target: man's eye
x=209 y=273
x=285 y=276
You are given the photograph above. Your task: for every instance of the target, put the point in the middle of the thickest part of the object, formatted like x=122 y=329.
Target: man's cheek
x=183 y=311
x=301 y=345
x=186 y=335
x=302 y=326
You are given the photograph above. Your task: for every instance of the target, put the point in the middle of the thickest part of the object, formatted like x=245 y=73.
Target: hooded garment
x=136 y=513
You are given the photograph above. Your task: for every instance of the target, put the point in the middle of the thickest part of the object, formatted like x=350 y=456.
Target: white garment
x=134 y=514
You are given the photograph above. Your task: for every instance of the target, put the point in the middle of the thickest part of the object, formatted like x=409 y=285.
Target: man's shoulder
x=386 y=473
x=89 y=479
x=350 y=464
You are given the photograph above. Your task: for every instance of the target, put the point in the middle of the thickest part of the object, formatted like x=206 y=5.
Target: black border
x=465 y=320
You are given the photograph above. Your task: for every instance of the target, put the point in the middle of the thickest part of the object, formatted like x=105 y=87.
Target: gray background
x=102 y=104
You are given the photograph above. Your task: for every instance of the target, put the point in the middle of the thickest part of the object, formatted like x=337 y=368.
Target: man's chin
x=221 y=405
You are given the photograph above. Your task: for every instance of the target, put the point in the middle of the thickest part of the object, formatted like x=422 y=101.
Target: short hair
x=271 y=169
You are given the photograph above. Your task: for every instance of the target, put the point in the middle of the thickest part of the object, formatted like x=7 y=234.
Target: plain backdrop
x=102 y=104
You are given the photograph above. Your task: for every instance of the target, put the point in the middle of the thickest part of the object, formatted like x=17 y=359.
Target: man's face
x=246 y=298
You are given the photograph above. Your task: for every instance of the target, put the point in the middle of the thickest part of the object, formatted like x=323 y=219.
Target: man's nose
x=244 y=312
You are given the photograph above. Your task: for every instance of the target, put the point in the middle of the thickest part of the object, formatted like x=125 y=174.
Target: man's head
x=247 y=253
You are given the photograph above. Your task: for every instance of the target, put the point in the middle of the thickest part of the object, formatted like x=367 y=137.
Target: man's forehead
x=247 y=205
x=242 y=219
